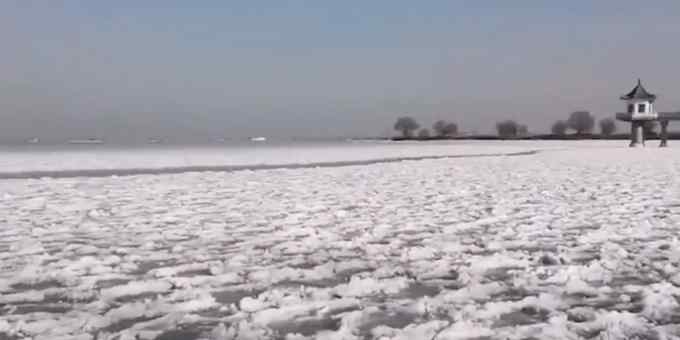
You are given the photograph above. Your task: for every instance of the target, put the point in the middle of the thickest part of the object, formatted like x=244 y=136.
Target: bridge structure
x=641 y=111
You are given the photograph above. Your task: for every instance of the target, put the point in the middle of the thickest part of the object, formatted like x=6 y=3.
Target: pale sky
x=130 y=69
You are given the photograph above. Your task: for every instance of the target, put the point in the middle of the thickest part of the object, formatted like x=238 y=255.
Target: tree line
x=407 y=126
x=579 y=122
x=582 y=123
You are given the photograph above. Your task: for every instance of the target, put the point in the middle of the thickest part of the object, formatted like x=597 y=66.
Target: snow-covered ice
x=74 y=162
x=576 y=241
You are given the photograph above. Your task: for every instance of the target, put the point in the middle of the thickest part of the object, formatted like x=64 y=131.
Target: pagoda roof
x=639 y=92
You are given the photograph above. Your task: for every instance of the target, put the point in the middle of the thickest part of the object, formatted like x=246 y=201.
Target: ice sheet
x=569 y=243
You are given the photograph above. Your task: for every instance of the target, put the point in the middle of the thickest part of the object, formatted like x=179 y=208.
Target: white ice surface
x=578 y=241
x=27 y=160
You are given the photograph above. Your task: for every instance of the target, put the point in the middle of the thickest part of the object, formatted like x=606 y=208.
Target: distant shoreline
x=101 y=143
x=621 y=136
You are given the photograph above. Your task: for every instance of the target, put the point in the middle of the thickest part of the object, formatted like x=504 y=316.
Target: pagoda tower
x=640 y=104
x=640 y=109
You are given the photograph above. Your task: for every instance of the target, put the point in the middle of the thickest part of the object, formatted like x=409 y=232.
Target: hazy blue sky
x=133 y=68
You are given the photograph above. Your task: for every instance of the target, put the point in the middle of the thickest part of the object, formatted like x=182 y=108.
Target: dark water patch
x=582 y=295
x=589 y=332
x=545 y=248
x=455 y=285
x=607 y=304
x=303 y=264
x=345 y=309
x=144 y=267
x=216 y=313
x=79 y=241
x=270 y=244
x=586 y=258
x=195 y=272
x=348 y=273
x=580 y=315
x=590 y=300
x=548 y=260
x=179 y=239
x=63 y=297
x=184 y=333
x=612 y=302
x=42 y=308
x=480 y=251
x=5 y=336
x=227 y=297
x=415 y=232
x=341 y=277
x=635 y=308
x=230 y=243
x=646 y=333
x=418 y=290
x=319 y=283
x=305 y=326
x=586 y=227
x=48 y=261
x=125 y=324
x=352 y=234
x=528 y=315
x=673 y=319
x=166 y=248
x=451 y=275
x=53 y=251
x=111 y=283
x=42 y=285
x=139 y=297
x=502 y=274
x=659 y=258
x=415 y=241
x=513 y=294
x=634 y=279
x=397 y=319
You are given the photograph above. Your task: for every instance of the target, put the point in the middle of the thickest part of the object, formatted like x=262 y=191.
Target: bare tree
x=581 y=121
x=443 y=128
x=439 y=128
x=507 y=128
x=560 y=128
x=450 y=129
x=523 y=130
x=607 y=126
x=406 y=125
x=424 y=133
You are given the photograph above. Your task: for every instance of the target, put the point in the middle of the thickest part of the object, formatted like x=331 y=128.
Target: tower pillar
x=664 y=134
x=637 y=136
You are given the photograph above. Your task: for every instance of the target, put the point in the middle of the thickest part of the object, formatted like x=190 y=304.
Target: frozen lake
x=542 y=240
x=105 y=160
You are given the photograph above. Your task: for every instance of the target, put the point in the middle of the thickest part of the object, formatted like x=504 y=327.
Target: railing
x=669 y=115
x=626 y=116
x=623 y=116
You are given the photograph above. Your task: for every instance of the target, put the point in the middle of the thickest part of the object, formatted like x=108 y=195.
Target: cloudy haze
x=118 y=69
